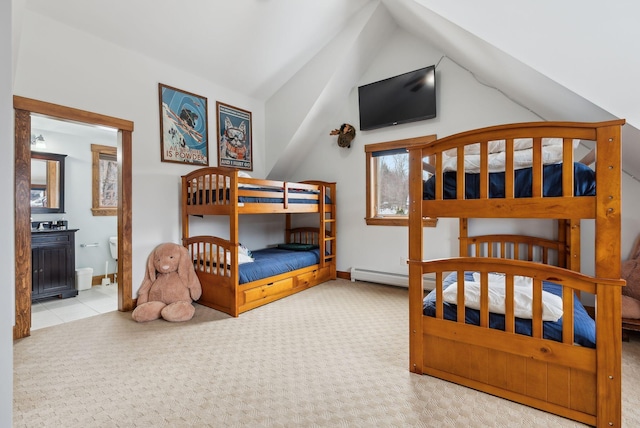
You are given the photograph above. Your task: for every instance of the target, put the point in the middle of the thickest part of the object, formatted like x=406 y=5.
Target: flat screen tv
x=406 y=98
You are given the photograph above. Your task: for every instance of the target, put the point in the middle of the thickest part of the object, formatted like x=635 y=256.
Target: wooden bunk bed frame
x=572 y=381
x=221 y=289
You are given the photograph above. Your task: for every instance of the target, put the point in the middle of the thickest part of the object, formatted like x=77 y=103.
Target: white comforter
x=523 y=297
x=522 y=155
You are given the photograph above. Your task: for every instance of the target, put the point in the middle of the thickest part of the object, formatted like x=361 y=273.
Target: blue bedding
x=584 y=183
x=584 y=325
x=223 y=194
x=274 y=261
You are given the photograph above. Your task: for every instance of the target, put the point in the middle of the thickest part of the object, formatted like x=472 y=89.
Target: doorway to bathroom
x=89 y=188
x=24 y=110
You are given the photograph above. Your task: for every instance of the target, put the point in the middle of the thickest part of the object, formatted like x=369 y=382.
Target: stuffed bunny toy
x=630 y=271
x=169 y=287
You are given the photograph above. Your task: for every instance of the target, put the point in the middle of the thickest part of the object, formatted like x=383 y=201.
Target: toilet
x=113 y=246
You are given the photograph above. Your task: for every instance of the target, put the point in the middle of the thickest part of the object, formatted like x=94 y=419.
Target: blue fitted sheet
x=584 y=183
x=273 y=261
x=584 y=325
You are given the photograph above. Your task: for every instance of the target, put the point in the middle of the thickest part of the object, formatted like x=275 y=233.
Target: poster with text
x=234 y=137
x=183 y=127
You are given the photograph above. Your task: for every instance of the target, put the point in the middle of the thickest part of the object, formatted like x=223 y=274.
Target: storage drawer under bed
x=268 y=290
x=312 y=278
x=265 y=293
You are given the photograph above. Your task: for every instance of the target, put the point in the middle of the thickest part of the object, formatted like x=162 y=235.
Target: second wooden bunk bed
x=555 y=375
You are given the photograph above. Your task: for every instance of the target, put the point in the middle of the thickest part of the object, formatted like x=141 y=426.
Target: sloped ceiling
x=570 y=60
x=250 y=46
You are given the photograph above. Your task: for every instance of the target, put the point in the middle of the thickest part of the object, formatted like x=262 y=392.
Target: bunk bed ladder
x=326 y=233
x=328 y=227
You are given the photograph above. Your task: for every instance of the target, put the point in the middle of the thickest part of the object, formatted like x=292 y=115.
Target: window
x=105 y=180
x=388 y=182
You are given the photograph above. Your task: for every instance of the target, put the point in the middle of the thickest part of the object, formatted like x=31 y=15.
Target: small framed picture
x=234 y=137
x=183 y=127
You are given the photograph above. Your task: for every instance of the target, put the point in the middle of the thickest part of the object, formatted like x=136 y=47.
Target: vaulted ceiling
x=569 y=60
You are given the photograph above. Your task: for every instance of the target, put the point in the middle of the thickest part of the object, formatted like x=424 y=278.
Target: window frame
x=371 y=181
x=97 y=151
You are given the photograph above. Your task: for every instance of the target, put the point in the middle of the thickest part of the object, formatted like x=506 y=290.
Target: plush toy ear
x=184 y=267
x=151 y=267
x=635 y=253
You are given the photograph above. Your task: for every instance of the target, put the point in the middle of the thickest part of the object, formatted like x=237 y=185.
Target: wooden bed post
x=234 y=237
x=464 y=233
x=572 y=243
x=185 y=222
x=607 y=262
x=416 y=292
x=287 y=228
x=562 y=237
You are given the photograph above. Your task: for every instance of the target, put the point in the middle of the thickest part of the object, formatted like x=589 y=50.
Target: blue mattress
x=584 y=325
x=222 y=194
x=584 y=183
x=274 y=261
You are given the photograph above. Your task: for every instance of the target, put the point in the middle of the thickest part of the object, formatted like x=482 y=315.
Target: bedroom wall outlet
x=403 y=261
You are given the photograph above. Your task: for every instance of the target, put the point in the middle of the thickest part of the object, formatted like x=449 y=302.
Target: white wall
x=88 y=73
x=463 y=104
x=61 y=65
x=558 y=39
x=299 y=109
x=7 y=192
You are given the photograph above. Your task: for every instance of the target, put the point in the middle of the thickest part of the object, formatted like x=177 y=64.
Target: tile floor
x=94 y=301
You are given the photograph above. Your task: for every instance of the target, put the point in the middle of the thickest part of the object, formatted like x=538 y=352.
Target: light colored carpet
x=335 y=355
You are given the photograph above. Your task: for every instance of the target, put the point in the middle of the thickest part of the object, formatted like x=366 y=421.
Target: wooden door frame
x=23 y=107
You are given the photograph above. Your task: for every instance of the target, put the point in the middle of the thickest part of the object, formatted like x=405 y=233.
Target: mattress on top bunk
x=207 y=197
x=274 y=261
x=584 y=183
x=584 y=325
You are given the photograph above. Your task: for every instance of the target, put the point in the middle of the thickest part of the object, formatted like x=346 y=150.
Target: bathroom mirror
x=47 y=183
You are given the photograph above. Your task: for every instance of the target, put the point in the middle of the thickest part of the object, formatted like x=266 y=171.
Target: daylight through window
x=388 y=181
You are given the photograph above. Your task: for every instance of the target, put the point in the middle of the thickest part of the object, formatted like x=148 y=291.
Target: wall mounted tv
x=406 y=98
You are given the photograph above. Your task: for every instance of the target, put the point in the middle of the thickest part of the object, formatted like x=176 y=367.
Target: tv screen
x=406 y=98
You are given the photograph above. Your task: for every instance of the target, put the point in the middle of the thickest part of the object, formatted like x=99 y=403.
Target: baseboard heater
x=389 y=278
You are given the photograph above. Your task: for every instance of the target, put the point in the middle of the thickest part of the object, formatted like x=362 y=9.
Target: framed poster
x=234 y=137
x=183 y=127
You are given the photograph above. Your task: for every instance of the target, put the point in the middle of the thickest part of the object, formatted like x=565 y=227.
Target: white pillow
x=222 y=181
x=243 y=174
x=497 y=161
x=243 y=257
x=245 y=251
x=523 y=298
x=500 y=279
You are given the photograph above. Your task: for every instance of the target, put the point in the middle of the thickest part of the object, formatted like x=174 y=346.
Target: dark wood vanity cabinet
x=53 y=264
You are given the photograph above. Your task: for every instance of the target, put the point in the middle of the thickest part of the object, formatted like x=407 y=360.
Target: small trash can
x=83 y=278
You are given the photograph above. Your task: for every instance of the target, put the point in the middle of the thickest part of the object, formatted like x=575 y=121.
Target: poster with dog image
x=234 y=137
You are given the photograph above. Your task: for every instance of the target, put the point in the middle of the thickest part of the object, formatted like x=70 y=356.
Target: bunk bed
x=462 y=332
x=305 y=257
